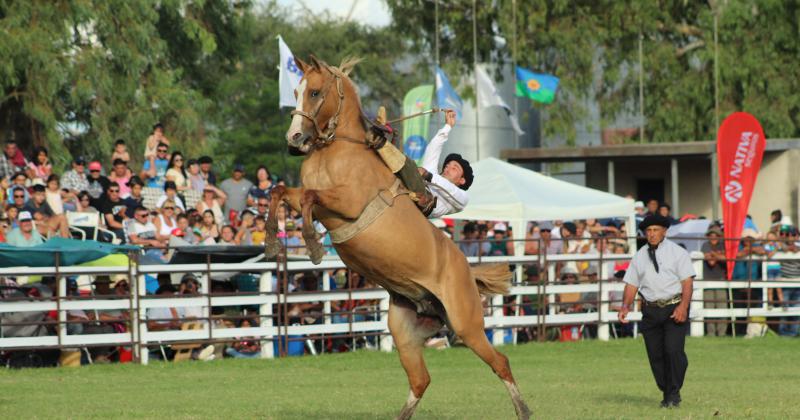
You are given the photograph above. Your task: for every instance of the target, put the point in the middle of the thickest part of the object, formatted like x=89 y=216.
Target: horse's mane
x=343 y=70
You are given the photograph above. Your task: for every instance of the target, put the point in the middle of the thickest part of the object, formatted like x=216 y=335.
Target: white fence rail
x=139 y=337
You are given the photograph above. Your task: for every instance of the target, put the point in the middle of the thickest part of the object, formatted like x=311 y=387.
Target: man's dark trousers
x=664 y=340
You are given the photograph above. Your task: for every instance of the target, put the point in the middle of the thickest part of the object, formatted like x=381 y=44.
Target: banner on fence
x=740 y=147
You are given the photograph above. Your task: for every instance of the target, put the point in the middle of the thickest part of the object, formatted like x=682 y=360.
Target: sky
x=370 y=12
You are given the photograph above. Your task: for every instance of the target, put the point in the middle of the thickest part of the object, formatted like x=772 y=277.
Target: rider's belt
x=661 y=303
x=374 y=209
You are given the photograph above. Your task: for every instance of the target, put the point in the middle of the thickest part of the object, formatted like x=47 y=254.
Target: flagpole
x=436 y=32
x=514 y=66
x=641 y=89
x=474 y=70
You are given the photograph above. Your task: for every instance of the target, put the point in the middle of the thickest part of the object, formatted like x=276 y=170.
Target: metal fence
x=535 y=304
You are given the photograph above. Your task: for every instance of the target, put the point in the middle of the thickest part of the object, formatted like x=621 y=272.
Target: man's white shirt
x=430 y=161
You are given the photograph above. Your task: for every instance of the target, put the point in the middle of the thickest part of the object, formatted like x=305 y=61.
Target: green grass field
x=731 y=378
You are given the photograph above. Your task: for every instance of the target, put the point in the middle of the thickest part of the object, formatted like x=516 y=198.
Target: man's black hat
x=654 y=220
x=468 y=175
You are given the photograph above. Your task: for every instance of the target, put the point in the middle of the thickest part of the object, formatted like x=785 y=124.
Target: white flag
x=289 y=75
x=489 y=96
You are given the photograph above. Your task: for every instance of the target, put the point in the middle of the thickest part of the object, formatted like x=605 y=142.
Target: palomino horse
x=428 y=278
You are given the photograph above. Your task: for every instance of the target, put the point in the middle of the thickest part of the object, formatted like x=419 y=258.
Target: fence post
x=265 y=312
x=386 y=340
x=141 y=319
x=499 y=334
x=697 y=306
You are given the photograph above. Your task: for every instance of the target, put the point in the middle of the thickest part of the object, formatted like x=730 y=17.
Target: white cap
x=786 y=220
x=24 y=216
x=499 y=227
x=638 y=205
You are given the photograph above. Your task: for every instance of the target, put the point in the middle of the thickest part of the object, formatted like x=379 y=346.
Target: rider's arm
x=430 y=160
x=457 y=193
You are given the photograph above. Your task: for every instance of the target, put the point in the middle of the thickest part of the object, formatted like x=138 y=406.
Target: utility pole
x=514 y=66
x=474 y=70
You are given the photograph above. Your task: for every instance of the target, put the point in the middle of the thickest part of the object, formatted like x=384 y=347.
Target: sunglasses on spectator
x=19 y=195
x=544 y=230
x=142 y=215
x=169 y=208
x=114 y=191
x=162 y=150
x=95 y=170
x=85 y=199
x=262 y=204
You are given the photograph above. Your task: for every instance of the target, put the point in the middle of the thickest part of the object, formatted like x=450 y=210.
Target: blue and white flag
x=289 y=75
x=446 y=96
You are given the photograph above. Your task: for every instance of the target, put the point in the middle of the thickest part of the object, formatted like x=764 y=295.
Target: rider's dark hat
x=468 y=175
x=654 y=220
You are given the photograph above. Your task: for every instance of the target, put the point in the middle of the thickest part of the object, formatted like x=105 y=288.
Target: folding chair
x=184 y=351
x=87 y=225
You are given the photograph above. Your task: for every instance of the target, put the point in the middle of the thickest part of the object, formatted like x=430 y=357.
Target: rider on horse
x=447 y=192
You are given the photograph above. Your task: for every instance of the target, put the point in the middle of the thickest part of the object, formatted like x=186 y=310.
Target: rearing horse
x=344 y=182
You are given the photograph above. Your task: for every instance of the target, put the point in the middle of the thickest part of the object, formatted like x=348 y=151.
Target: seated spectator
x=262 y=188
x=294 y=239
x=469 y=245
x=104 y=321
x=196 y=180
x=84 y=199
x=69 y=201
x=665 y=210
x=39 y=167
x=135 y=197
x=213 y=199
x=790 y=270
x=48 y=222
x=714 y=268
x=166 y=221
x=498 y=245
x=19 y=181
x=184 y=230
x=98 y=184
x=244 y=236
x=258 y=234
x=177 y=173
x=190 y=287
x=227 y=236
x=143 y=232
x=13 y=220
x=569 y=302
x=244 y=347
x=155 y=167
x=113 y=209
x=75 y=179
x=53 y=194
x=121 y=175
x=171 y=193
x=24 y=235
x=164 y=318
x=17 y=195
x=120 y=151
x=206 y=171
x=208 y=228
x=5 y=184
x=12 y=160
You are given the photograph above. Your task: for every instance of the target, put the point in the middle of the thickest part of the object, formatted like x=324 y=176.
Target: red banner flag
x=740 y=147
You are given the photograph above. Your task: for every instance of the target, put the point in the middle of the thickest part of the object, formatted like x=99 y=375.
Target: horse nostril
x=296 y=136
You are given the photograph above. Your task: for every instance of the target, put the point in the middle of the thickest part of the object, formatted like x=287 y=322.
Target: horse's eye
x=314 y=93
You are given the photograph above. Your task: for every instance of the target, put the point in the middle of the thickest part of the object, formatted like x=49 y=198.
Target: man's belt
x=661 y=303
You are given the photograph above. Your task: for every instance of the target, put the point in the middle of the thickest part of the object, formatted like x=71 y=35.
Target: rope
x=445 y=195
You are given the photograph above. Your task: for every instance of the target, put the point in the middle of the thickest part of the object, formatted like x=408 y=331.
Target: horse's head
x=320 y=101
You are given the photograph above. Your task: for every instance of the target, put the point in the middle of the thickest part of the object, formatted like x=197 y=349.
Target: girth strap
x=383 y=200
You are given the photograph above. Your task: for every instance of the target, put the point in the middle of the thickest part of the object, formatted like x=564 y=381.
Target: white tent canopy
x=502 y=191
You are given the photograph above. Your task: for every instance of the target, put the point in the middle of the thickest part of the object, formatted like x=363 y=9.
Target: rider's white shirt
x=430 y=161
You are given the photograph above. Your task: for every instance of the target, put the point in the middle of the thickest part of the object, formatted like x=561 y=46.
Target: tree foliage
x=593 y=47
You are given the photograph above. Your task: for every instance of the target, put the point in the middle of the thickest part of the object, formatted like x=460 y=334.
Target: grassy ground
x=731 y=378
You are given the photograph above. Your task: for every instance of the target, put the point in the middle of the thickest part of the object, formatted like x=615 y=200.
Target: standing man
x=236 y=188
x=662 y=273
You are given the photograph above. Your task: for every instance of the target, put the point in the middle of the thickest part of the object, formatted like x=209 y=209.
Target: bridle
x=324 y=138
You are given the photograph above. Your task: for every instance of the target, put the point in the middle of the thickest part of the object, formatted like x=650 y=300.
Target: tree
x=593 y=47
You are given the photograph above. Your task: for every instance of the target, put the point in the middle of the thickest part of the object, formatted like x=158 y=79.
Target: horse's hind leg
x=465 y=312
x=410 y=332
x=279 y=194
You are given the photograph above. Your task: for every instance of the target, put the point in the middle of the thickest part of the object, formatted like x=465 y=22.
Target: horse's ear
x=301 y=65
x=348 y=64
x=315 y=62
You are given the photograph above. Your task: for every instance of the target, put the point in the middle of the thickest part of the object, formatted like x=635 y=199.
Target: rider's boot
x=415 y=182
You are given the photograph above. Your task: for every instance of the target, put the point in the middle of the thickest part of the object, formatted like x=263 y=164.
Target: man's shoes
x=665 y=403
x=671 y=401
x=207 y=354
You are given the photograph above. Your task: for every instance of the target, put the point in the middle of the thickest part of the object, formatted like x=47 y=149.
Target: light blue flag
x=446 y=96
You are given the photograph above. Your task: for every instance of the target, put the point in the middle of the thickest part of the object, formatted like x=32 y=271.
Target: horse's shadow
x=618 y=398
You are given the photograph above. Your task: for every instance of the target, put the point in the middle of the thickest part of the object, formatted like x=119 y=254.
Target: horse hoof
x=315 y=252
x=523 y=412
x=271 y=249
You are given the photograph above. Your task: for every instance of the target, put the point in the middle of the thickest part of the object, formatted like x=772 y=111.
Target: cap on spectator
x=135 y=180
x=571 y=227
x=238 y=167
x=79 y=160
x=102 y=279
x=638 y=205
x=545 y=226
x=688 y=216
x=619 y=274
x=170 y=185
x=714 y=229
x=750 y=233
x=499 y=227
x=568 y=270
x=38 y=188
x=24 y=216
x=290 y=225
x=205 y=159
x=95 y=166
x=654 y=220
x=247 y=211
x=177 y=232
x=591 y=270
x=786 y=221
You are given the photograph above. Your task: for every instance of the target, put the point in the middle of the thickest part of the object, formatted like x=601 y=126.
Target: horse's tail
x=492 y=279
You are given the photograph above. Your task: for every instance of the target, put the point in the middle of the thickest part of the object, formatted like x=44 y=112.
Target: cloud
x=367 y=12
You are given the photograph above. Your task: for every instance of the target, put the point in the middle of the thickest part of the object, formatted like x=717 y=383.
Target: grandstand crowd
x=173 y=200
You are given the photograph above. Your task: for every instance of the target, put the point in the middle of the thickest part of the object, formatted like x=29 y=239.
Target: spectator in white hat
x=24 y=235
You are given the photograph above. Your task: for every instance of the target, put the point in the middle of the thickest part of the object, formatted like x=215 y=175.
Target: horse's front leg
x=345 y=201
x=280 y=194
